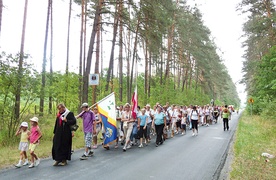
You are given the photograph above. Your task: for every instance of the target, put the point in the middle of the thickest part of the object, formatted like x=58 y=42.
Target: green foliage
x=264 y=93
x=260 y=64
x=8 y=81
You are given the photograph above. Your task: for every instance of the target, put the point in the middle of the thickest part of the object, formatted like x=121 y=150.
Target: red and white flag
x=134 y=101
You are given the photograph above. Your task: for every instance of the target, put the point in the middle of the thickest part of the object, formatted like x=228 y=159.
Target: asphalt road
x=182 y=157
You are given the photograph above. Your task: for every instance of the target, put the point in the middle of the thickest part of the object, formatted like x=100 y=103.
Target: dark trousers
x=142 y=132
x=159 y=133
x=195 y=124
x=225 y=124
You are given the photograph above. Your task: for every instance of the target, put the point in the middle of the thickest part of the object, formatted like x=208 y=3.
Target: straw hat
x=34 y=119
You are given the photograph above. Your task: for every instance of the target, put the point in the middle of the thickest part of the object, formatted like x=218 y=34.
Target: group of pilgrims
x=137 y=128
x=163 y=122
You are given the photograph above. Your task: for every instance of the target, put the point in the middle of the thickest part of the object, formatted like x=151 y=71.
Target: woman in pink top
x=34 y=140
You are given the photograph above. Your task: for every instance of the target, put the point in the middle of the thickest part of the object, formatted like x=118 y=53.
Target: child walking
x=34 y=141
x=142 y=126
x=23 y=145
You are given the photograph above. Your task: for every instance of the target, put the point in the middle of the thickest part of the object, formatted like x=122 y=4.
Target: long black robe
x=62 y=142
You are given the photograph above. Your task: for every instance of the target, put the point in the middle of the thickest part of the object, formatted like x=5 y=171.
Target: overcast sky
x=219 y=16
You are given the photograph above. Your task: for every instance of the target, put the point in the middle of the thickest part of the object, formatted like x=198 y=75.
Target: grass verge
x=255 y=135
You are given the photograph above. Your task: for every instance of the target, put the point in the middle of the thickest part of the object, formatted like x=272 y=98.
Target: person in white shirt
x=194 y=120
x=189 y=117
x=128 y=121
x=173 y=115
x=150 y=113
x=201 y=114
x=207 y=115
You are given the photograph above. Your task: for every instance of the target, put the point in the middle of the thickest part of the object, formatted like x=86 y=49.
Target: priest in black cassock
x=62 y=141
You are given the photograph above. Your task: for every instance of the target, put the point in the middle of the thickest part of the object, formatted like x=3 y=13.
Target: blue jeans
x=134 y=131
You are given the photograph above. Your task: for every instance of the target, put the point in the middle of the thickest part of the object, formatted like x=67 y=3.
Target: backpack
x=196 y=111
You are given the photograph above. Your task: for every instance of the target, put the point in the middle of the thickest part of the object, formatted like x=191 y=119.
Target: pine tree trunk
x=169 y=57
x=89 y=57
x=134 y=56
x=20 y=66
x=81 y=50
x=51 y=59
x=146 y=69
x=98 y=44
x=84 y=38
x=191 y=71
x=121 y=7
x=111 y=60
x=149 y=81
x=68 y=36
x=43 y=73
x=161 y=64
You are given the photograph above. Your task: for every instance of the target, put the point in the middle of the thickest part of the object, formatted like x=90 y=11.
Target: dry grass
x=255 y=135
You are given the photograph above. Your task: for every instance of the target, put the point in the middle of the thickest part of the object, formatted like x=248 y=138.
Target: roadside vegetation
x=255 y=135
x=256 y=132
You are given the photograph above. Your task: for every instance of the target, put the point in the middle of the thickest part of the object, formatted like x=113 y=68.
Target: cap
x=34 y=119
x=84 y=105
x=24 y=124
x=147 y=105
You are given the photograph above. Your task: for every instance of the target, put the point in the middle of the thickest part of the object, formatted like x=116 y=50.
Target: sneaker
x=95 y=147
x=140 y=146
x=124 y=149
x=36 y=163
x=83 y=157
x=193 y=134
x=116 y=146
x=128 y=146
x=182 y=134
x=19 y=165
x=32 y=165
x=90 y=153
x=207 y=125
x=156 y=145
x=26 y=163
x=106 y=147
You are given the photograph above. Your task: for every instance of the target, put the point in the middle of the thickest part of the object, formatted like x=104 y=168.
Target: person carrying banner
x=89 y=129
x=127 y=120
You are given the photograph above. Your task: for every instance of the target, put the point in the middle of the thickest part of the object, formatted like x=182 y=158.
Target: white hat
x=24 y=124
x=34 y=119
x=127 y=104
x=84 y=105
x=147 y=105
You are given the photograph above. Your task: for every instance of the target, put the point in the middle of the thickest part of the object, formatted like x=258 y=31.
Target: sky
x=220 y=16
x=225 y=24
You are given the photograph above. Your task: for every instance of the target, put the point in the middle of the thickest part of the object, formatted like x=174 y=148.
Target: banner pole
x=101 y=100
